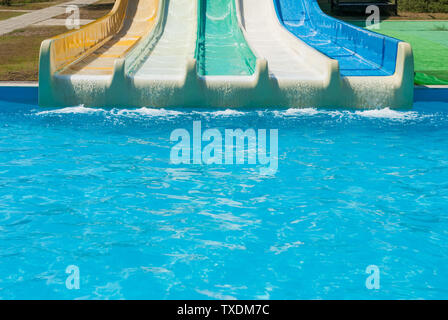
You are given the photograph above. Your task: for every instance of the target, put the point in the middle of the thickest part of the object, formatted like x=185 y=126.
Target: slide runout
x=140 y=19
x=376 y=71
x=60 y=51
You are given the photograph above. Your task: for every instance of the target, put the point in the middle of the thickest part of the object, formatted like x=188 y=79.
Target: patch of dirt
x=33 y=31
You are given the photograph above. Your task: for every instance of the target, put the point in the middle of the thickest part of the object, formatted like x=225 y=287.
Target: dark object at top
x=347 y=4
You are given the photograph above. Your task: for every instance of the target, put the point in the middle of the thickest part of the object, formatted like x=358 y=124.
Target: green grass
x=19 y=52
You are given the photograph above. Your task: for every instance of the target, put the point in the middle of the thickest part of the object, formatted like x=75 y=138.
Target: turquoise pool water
x=96 y=189
x=222 y=49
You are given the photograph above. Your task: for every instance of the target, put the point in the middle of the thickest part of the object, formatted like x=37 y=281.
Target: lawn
x=93 y=11
x=19 y=50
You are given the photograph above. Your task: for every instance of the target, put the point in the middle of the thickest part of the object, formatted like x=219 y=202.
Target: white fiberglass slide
x=286 y=60
x=169 y=58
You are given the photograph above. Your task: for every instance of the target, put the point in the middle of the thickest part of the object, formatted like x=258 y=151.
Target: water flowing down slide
x=218 y=45
x=158 y=72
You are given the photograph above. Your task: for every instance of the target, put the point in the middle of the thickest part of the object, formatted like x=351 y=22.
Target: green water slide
x=221 y=47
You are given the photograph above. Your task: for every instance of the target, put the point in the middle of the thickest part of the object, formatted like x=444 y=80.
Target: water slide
x=139 y=20
x=224 y=53
x=359 y=52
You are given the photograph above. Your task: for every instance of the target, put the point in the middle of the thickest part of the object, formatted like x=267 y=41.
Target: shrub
x=424 y=5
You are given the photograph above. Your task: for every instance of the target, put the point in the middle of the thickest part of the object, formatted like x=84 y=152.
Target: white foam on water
x=215 y=295
x=72 y=110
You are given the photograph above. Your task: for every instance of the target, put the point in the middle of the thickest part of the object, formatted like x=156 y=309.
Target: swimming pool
x=96 y=189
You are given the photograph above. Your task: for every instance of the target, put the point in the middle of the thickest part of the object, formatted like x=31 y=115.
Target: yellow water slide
x=93 y=49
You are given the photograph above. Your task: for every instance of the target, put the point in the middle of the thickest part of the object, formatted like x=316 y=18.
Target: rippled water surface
x=95 y=188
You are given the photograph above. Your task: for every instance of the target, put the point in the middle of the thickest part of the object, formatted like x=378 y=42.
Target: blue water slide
x=360 y=52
